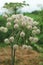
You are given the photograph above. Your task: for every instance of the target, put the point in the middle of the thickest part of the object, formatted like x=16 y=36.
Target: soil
x=22 y=57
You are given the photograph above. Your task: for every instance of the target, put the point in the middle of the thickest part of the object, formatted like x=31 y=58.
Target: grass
x=3 y=45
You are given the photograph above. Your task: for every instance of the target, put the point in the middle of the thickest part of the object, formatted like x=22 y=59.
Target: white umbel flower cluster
x=24 y=47
x=15 y=46
x=23 y=26
x=35 y=23
x=8 y=24
x=11 y=39
x=16 y=26
x=27 y=47
x=29 y=27
x=37 y=31
x=22 y=34
x=5 y=16
x=6 y=41
x=3 y=29
x=33 y=39
x=9 y=19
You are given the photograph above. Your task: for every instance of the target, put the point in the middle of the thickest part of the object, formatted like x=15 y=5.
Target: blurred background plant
x=15 y=7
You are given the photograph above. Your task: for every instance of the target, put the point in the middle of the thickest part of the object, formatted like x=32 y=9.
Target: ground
x=22 y=57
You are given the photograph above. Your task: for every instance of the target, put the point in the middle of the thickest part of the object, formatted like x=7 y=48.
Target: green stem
x=12 y=55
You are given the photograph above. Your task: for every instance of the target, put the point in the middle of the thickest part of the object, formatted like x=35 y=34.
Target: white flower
x=15 y=46
x=29 y=47
x=11 y=39
x=22 y=34
x=38 y=31
x=30 y=38
x=23 y=24
x=8 y=24
x=35 y=23
x=26 y=18
x=16 y=21
x=9 y=19
x=35 y=28
x=29 y=27
x=5 y=16
x=16 y=26
x=34 y=32
x=6 y=41
x=20 y=15
x=30 y=19
x=1 y=28
x=24 y=46
x=35 y=39
x=13 y=16
x=5 y=30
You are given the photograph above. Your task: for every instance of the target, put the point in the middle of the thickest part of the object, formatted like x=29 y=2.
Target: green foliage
x=2 y=21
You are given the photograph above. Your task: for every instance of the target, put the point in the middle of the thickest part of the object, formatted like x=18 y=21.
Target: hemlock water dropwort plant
x=24 y=30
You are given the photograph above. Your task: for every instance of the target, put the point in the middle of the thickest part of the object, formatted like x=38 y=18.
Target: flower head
x=24 y=47
x=16 y=26
x=6 y=41
x=35 y=39
x=38 y=31
x=29 y=27
x=5 y=16
x=34 y=28
x=23 y=24
x=30 y=38
x=15 y=46
x=29 y=47
x=3 y=29
x=35 y=23
x=9 y=19
x=11 y=39
x=22 y=34
x=8 y=24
